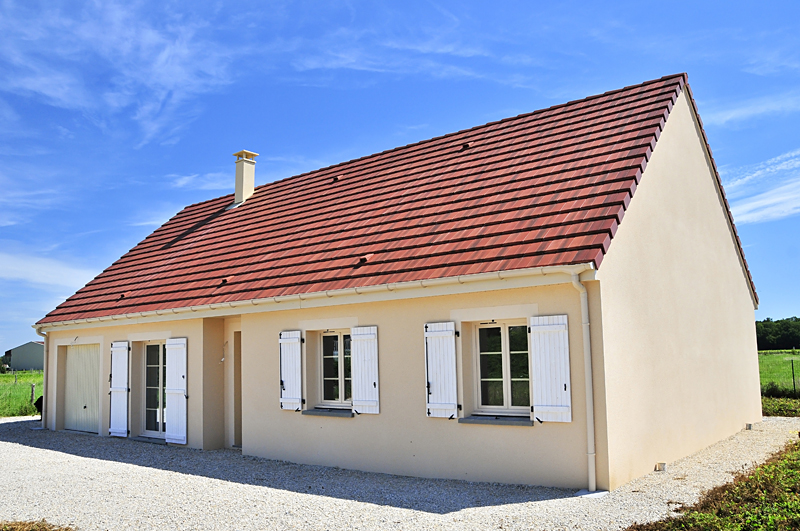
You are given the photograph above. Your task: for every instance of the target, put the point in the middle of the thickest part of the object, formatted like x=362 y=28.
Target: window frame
x=162 y=353
x=508 y=409
x=334 y=404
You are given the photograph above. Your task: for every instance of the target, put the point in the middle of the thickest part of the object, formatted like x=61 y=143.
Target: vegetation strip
x=15 y=394
x=768 y=498
x=32 y=526
x=780 y=407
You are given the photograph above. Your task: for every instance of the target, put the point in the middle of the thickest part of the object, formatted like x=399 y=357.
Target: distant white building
x=27 y=357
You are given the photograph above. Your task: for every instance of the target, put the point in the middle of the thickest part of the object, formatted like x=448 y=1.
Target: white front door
x=155 y=402
x=82 y=389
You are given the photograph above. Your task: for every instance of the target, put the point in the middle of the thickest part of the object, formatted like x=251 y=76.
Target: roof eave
x=560 y=274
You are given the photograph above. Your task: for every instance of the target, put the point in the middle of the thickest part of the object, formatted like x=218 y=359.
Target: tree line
x=782 y=334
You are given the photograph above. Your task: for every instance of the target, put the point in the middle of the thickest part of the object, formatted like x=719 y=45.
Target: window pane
x=330 y=368
x=330 y=345
x=152 y=377
x=346 y=339
x=151 y=400
x=492 y=393
x=518 y=338
x=519 y=365
x=151 y=416
x=152 y=354
x=347 y=355
x=331 y=389
x=491 y=366
x=489 y=339
x=520 y=393
x=348 y=393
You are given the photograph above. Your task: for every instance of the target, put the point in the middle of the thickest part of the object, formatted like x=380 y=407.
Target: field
x=15 y=398
x=776 y=366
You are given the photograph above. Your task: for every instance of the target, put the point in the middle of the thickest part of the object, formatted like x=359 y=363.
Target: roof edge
x=235 y=307
x=729 y=215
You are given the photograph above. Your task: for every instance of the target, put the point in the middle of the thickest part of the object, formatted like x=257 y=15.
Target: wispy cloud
x=38 y=270
x=780 y=202
x=109 y=57
x=788 y=102
x=154 y=216
x=205 y=181
x=766 y=191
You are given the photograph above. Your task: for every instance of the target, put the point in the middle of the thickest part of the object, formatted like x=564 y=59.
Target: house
x=558 y=298
x=26 y=357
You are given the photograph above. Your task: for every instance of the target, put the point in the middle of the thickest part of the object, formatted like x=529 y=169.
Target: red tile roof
x=540 y=189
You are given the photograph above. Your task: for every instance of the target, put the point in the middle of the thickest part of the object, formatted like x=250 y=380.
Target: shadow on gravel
x=439 y=496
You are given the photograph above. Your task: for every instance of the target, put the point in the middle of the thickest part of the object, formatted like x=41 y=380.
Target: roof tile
x=540 y=189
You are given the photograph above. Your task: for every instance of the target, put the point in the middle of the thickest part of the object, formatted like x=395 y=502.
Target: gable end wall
x=681 y=369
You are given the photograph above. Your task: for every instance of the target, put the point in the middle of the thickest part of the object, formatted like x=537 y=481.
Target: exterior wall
x=681 y=369
x=402 y=439
x=204 y=374
x=27 y=357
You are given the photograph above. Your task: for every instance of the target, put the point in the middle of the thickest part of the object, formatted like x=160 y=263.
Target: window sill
x=146 y=439
x=329 y=412
x=496 y=420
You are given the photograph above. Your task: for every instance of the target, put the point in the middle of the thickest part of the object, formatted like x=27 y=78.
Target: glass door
x=155 y=397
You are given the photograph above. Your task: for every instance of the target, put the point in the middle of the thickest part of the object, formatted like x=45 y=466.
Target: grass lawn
x=767 y=498
x=776 y=366
x=15 y=399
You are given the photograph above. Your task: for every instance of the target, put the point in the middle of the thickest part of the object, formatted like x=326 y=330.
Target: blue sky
x=113 y=116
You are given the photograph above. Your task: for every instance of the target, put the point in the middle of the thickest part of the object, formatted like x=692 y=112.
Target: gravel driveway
x=103 y=483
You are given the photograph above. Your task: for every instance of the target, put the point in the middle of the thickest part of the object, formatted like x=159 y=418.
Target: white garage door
x=82 y=391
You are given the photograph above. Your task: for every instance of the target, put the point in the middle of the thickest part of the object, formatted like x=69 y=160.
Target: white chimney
x=245 y=175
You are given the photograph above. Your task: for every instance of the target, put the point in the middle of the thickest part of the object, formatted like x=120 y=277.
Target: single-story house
x=26 y=357
x=559 y=298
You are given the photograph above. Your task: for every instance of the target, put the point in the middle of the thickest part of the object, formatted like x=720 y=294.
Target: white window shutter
x=118 y=424
x=176 y=391
x=552 y=388
x=440 y=370
x=364 y=363
x=291 y=371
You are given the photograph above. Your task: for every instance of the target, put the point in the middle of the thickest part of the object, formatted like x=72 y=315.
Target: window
x=155 y=390
x=336 y=369
x=503 y=368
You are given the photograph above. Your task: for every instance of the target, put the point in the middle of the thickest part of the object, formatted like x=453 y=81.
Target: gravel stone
x=93 y=482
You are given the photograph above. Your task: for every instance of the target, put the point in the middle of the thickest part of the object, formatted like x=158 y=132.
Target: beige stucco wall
x=679 y=342
x=402 y=439
x=204 y=373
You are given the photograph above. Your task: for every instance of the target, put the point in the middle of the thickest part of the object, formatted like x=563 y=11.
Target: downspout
x=587 y=367
x=44 y=378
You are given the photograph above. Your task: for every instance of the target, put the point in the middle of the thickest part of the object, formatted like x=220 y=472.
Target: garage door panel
x=82 y=390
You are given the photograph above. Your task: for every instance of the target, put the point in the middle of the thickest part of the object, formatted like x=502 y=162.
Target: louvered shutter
x=175 y=390
x=550 y=360
x=291 y=371
x=118 y=424
x=440 y=370
x=364 y=362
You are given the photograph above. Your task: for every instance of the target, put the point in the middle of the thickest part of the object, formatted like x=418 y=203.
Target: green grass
x=767 y=499
x=775 y=366
x=15 y=399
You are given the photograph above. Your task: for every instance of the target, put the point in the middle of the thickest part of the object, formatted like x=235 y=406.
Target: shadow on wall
x=439 y=496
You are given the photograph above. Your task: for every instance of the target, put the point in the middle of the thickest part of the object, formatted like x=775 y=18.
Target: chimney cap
x=244 y=154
